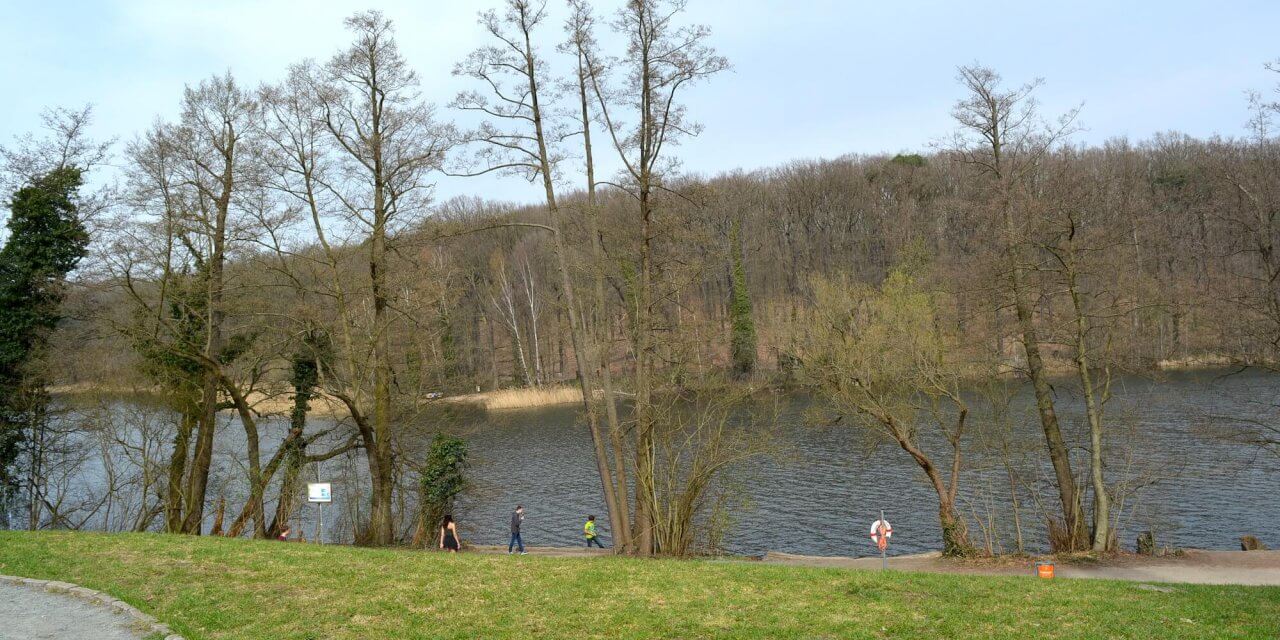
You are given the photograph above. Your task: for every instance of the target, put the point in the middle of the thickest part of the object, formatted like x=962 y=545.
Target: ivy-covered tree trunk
x=955 y=535
x=306 y=374
x=743 y=339
x=443 y=478
x=173 y=502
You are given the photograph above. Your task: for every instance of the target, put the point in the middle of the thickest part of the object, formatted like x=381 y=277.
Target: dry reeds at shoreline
x=281 y=402
x=522 y=398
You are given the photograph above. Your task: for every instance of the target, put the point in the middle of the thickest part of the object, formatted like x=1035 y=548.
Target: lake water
x=820 y=496
x=821 y=499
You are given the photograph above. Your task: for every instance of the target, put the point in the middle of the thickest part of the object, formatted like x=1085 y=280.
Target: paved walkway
x=548 y=552
x=29 y=613
x=1195 y=567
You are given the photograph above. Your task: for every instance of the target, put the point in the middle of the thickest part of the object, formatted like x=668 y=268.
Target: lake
x=821 y=493
x=823 y=497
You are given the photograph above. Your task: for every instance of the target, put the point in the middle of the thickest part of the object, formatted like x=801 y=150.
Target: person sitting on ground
x=449 y=535
x=589 y=530
x=284 y=534
x=517 y=517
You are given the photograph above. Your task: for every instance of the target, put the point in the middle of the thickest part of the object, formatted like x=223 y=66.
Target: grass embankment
x=222 y=588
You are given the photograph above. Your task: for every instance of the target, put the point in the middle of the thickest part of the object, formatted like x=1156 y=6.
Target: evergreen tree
x=46 y=241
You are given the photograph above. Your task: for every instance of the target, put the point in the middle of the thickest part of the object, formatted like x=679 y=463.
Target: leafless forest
x=277 y=250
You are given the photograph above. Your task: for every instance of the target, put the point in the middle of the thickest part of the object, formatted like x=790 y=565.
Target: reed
x=523 y=398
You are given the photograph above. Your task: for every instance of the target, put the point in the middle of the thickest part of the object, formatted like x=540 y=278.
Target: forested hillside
x=1176 y=236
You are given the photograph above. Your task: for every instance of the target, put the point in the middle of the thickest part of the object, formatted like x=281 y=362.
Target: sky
x=810 y=78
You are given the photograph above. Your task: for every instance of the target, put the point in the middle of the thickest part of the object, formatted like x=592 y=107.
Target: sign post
x=881 y=531
x=319 y=493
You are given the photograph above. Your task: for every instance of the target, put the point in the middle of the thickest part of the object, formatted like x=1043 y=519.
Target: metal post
x=884 y=551
x=320 y=512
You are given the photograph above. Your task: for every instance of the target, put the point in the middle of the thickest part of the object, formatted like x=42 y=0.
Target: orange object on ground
x=1044 y=569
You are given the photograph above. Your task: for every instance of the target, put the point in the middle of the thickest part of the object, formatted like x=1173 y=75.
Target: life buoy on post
x=881 y=531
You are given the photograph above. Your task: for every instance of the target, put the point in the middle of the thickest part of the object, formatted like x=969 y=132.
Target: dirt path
x=28 y=613
x=1197 y=567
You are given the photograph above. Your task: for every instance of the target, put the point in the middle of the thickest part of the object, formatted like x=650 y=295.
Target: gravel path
x=29 y=613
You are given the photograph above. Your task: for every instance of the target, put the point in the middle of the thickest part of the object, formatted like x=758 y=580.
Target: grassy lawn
x=209 y=588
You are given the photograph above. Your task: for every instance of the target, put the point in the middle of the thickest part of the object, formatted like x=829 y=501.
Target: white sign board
x=319 y=492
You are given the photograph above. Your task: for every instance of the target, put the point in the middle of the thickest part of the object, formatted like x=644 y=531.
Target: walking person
x=517 y=517
x=589 y=531
x=449 y=535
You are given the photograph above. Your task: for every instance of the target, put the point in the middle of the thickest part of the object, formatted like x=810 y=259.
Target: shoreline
x=326 y=406
x=280 y=402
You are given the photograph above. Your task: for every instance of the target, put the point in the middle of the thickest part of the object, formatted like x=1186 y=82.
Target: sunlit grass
x=210 y=588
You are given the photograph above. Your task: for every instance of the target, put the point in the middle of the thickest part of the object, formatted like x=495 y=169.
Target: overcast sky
x=810 y=79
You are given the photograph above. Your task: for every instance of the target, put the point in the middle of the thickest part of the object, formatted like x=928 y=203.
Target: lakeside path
x=1252 y=568
x=29 y=613
x=1249 y=568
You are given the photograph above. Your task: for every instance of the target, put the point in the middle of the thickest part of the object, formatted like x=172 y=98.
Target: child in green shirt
x=589 y=530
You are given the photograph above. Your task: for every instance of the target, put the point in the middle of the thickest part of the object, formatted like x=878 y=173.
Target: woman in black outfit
x=449 y=535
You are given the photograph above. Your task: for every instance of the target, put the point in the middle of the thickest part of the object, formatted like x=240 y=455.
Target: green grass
x=208 y=588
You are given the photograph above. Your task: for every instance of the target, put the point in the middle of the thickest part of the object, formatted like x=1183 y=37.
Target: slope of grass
x=210 y=588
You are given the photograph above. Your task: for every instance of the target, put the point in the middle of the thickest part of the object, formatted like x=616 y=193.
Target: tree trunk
x=1059 y=455
x=955 y=535
x=177 y=471
x=1093 y=409
x=294 y=448
x=646 y=496
x=198 y=477
x=379 y=454
x=601 y=357
x=582 y=354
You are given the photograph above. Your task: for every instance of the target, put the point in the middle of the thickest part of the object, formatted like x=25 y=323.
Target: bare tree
x=1002 y=137
x=516 y=139
x=503 y=300
x=65 y=143
x=644 y=119
x=388 y=143
x=581 y=44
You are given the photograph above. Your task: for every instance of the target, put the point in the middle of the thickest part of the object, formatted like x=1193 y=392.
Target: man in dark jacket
x=517 y=517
